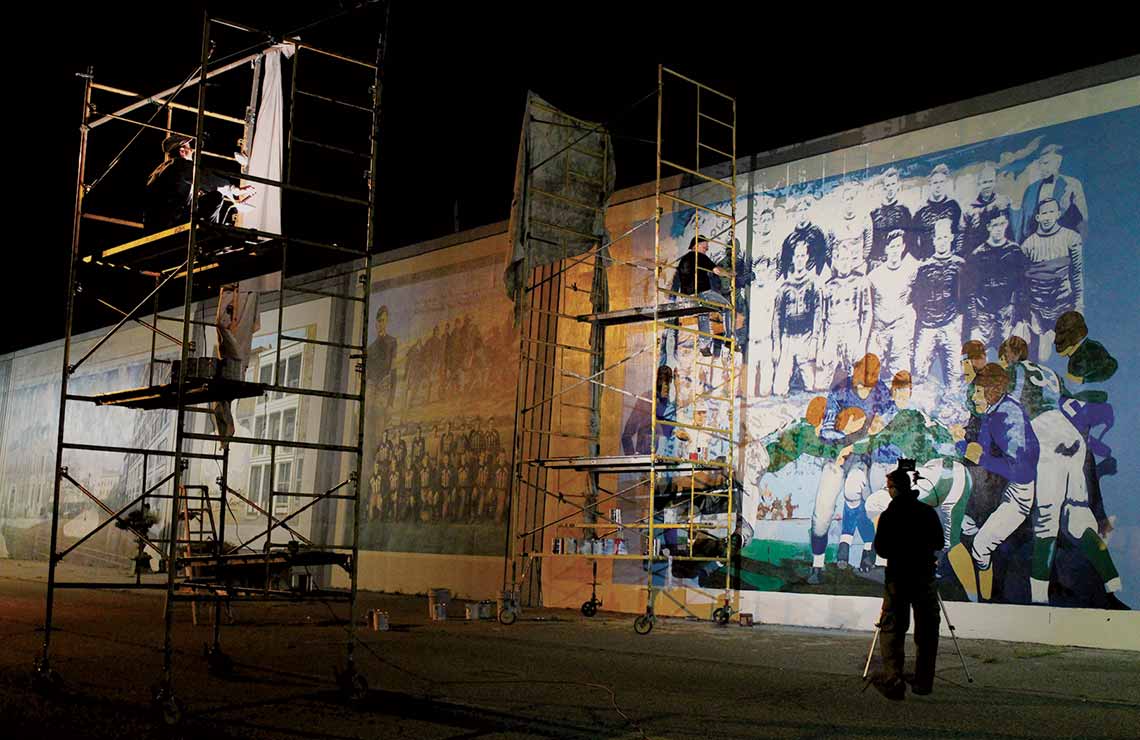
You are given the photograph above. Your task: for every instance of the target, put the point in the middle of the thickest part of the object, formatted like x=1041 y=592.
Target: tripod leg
x=871 y=652
x=954 y=636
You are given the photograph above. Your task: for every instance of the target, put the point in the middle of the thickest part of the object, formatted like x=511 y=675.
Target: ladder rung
x=714 y=149
x=698 y=206
x=714 y=119
x=694 y=173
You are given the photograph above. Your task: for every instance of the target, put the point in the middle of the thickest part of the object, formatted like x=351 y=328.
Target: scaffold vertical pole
x=43 y=668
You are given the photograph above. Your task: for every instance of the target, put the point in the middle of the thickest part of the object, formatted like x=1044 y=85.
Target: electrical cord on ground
x=433 y=683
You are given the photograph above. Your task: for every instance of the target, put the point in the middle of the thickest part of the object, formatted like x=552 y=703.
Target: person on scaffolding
x=693 y=277
x=168 y=189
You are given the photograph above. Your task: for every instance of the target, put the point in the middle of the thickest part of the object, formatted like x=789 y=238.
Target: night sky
x=456 y=82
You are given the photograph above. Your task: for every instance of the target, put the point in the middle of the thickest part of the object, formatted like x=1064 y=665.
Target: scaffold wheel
x=44 y=679
x=167 y=707
x=589 y=608
x=218 y=662
x=643 y=625
x=721 y=615
x=508 y=616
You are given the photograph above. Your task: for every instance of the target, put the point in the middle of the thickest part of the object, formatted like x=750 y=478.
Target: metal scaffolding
x=683 y=492
x=200 y=566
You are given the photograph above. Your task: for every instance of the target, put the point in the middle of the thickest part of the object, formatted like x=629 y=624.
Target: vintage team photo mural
x=965 y=309
x=441 y=367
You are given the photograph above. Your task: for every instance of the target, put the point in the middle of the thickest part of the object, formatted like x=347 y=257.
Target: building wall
x=448 y=356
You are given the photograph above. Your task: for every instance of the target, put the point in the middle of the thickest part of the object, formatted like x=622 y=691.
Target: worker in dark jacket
x=909 y=534
x=168 y=189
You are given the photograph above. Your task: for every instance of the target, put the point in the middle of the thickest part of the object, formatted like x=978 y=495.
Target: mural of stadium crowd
x=931 y=309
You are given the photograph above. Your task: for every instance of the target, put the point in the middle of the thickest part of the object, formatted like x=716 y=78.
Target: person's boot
x=892 y=688
x=843 y=555
x=867 y=561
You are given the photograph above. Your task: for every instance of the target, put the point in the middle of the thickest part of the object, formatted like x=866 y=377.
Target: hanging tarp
x=265 y=156
x=563 y=180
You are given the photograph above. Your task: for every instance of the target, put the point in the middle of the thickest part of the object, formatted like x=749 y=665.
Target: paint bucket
x=571 y=546
x=438 y=599
x=619 y=547
x=505 y=600
x=607 y=547
x=745 y=619
x=615 y=516
x=559 y=546
x=486 y=609
x=670 y=516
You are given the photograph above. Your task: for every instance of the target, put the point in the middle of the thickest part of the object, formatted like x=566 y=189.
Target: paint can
x=559 y=546
x=670 y=516
x=377 y=620
x=615 y=516
x=438 y=599
x=745 y=619
x=607 y=547
x=486 y=609
x=619 y=547
x=571 y=546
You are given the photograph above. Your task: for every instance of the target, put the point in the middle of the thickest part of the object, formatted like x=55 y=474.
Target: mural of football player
x=937 y=299
x=1061 y=494
x=843 y=319
x=1068 y=192
x=849 y=473
x=853 y=225
x=939 y=205
x=1008 y=447
x=993 y=282
x=797 y=301
x=381 y=361
x=1054 y=275
x=762 y=300
x=973 y=231
x=892 y=316
x=806 y=232
x=889 y=217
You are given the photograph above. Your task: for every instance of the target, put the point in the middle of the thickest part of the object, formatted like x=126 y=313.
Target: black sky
x=456 y=82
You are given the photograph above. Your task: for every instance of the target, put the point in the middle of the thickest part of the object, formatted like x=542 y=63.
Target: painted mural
x=961 y=309
x=442 y=365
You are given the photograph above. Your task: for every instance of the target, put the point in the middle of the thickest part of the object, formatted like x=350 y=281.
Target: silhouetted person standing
x=909 y=534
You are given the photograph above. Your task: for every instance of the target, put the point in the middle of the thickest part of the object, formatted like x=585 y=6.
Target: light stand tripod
x=949 y=625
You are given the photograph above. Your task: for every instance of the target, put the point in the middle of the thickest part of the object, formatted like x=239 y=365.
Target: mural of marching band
x=954 y=309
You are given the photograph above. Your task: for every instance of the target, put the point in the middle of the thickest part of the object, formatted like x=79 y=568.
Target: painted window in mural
x=441 y=368
x=956 y=309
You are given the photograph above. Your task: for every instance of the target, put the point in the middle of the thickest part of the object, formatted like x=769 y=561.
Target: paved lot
x=552 y=674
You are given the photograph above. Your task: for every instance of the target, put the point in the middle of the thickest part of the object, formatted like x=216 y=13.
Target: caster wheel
x=508 y=616
x=353 y=686
x=167 y=707
x=219 y=663
x=643 y=625
x=721 y=615
x=46 y=681
x=589 y=608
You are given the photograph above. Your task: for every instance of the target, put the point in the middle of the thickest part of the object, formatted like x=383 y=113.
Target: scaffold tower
x=669 y=504
x=331 y=97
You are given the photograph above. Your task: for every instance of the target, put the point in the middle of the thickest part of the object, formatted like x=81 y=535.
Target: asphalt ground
x=552 y=674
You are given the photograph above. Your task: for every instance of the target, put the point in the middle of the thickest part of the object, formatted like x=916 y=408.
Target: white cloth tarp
x=265 y=156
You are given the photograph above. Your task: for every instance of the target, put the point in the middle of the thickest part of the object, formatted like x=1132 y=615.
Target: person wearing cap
x=693 y=276
x=168 y=189
x=1067 y=191
x=908 y=536
x=381 y=360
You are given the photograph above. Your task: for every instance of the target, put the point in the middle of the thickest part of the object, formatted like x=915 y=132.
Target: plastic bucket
x=438 y=599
